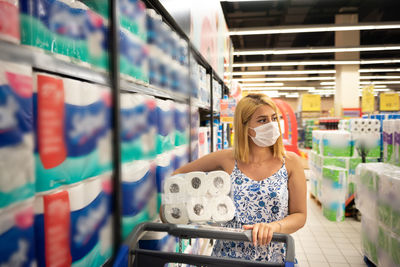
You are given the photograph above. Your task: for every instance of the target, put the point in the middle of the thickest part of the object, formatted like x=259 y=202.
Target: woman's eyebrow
x=262 y=116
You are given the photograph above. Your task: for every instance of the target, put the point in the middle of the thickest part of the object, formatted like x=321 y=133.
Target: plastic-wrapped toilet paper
x=17 y=246
x=16 y=133
x=73 y=225
x=164 y=169
x=176 y=186
x=176 y=213
x=222 y=208
x=181 y=118
x=138 y=127
x=138 y=193
x=198 y=209
x=67 y=28
x=397 y=142
x=9 y=21
x=73 y=131
x=388 y=130
x=165 y=126
x=181 y=156
x=219 y=184
x=198 y=183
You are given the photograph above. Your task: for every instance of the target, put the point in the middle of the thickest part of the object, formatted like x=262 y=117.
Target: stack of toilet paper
x=333 y=192
x=198 y=197
x=182 y=127
x=164 y=169
x=194 y=132
x=391 y=141
x=138 y=127
x=317 y=140
x=336 y=144
x=9 y=21
x=69 y=29
x=139 y=194
x=73 y=224
x=17 y=242
x=73 y=140
x=378 y=200
x=165 y=126
x=17 y=179
x=366 y=133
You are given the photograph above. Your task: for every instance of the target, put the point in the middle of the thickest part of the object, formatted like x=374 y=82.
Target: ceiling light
x=312 y=50
x=314 y=28
x=279 y=88
x=378 y=77
x=295 y=95
x=381 y=82
x=316 y=62
x=323 y=78
x=378 y=70
x=296 y=72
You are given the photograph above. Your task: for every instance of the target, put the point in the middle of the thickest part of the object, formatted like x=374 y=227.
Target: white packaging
x=176 y=186
x=198 y=184
x=222 y=208
x=176 y=213
x=220 y=183
x=198 y=209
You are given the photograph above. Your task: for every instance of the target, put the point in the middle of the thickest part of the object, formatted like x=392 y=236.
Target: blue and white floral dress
x=262 y=201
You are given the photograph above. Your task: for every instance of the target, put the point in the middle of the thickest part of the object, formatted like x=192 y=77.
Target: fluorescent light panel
x=312 y=50
x=323 y=78
x=296 y=72
x=300 y=88
x=314 y=28
x=316 y=62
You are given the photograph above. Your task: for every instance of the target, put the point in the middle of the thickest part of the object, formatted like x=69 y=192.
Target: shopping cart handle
x=197 y=231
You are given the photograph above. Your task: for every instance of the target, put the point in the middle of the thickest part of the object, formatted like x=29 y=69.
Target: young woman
x=268 y=184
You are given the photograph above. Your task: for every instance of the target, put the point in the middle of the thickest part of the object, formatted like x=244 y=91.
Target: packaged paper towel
x=73 y=225
x=138 y=127
x=181 y=118
x=16 y=133
x=181 y=156
x=73 y=134
x=9 y=21
x=138 y=190
x=388 y=138
x=397 y=142
x=17 y=245
x=165 y=126
x=336 y=143
x=66 y=28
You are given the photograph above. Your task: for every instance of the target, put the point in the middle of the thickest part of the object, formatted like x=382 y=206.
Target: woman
x=268 y=184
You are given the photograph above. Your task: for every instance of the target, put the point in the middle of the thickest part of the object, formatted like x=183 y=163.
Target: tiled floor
x=325 y=243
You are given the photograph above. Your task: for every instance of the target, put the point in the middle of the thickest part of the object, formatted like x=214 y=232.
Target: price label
x=389 y=102
x=368 y=99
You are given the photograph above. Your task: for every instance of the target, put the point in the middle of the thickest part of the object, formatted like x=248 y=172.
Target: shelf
x=138 y=87
x=41 y=60
x=199 y=104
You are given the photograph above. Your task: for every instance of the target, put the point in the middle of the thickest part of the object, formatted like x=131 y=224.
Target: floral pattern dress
x=262 y=201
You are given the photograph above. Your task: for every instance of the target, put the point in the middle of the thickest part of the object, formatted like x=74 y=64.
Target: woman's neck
x=258 y=154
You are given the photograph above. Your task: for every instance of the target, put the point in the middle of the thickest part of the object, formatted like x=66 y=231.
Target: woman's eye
x=262 y=120
x=274 y=119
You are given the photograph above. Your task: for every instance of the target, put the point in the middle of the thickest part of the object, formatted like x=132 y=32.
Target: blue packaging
x=165 y=167
x=165 y=126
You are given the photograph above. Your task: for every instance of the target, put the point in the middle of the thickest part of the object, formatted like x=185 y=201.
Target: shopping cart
x=131 y=255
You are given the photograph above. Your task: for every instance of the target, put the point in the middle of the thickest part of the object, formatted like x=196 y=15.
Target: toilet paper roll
x=220 y=183
x=223 y=209
x=176 y=186
x=198 y=209
x=176 y=214
x=198 y=183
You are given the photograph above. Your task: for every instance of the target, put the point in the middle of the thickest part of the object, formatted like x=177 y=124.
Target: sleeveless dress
x=262 y=201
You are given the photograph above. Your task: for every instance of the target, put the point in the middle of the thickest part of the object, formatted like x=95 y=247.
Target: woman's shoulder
x=226 y=158
x=292 y=161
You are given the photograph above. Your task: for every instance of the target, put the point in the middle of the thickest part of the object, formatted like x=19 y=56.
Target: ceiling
x=310 y=12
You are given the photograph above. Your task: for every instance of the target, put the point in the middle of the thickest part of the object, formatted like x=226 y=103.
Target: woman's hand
x=263 y=232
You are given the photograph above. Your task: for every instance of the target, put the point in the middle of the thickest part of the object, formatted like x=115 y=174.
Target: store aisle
x=325 y=243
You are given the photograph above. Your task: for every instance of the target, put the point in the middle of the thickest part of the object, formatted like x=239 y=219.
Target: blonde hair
x=243 y=112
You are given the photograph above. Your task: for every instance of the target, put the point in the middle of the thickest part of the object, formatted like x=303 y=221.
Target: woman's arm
x=262 y=232
x=211 y=162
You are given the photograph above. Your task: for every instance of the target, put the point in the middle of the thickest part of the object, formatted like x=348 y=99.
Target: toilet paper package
x=165 y=126
x=388 y=138
x=17 y=245
x=219 y=183
x=16 y=133
x=198 y=183
x=164 y=170
x=222 y=208
x=176 y=213
x=66 y=28
x=73 y=135
x=139 y=192
x=397 y=142
x=371 y=141
x=199 y=209
x=369 y=238
x=181 y=156
x=317 y=140
x=158 y=241
x=73 y=225
x=9 y=21
x=336 y=143
x=333 y=192
x=341 y=162
x=138 y=127
x=181 y=118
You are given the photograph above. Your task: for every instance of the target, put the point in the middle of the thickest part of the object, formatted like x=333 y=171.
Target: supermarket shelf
x=138 y=87
x=41 y=60
x=199 y=104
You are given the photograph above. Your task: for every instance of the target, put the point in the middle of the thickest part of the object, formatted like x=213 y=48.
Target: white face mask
x=266 y=134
